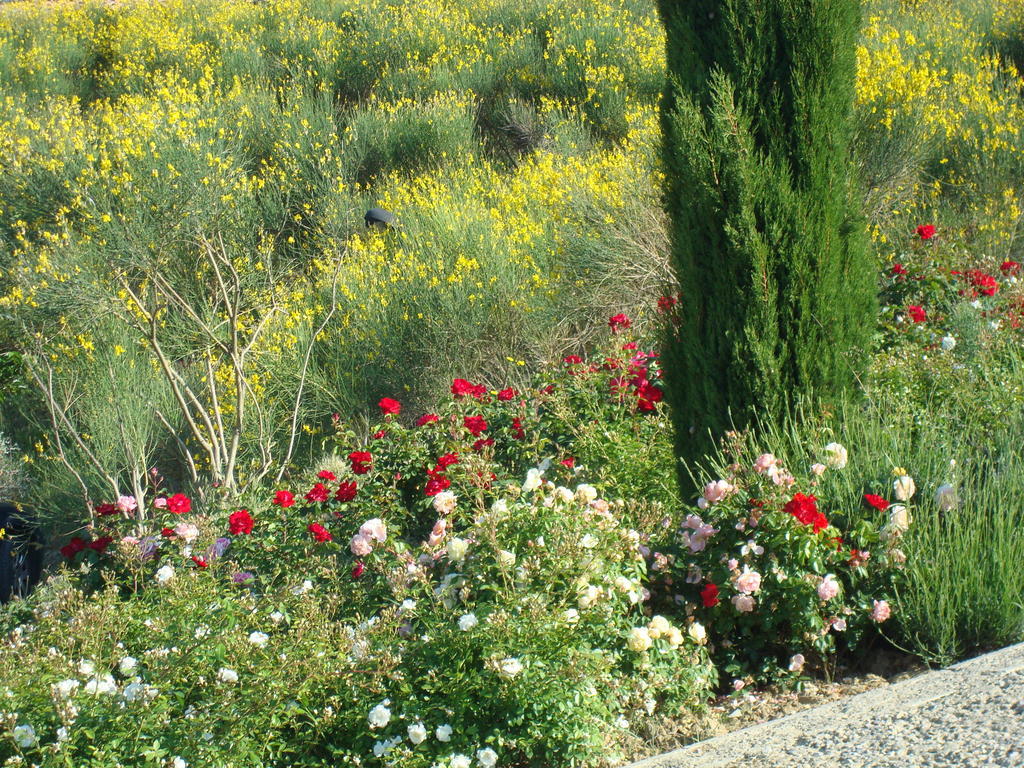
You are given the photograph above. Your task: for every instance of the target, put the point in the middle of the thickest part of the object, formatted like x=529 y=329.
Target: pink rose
x=828 y=588
x=818 y=469
x=764 y=462
x=881 y=611
x=701 y=533
x=796 y=663
x=374 y=529
x=839 y=625
x=748 y=582
x=716 y=491
x=360 y=545
x=187 y=531
x=743 y=603
x=160 y=502
x=126 y=504
x=437 y=533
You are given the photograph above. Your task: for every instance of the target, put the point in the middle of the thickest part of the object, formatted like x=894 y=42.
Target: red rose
x=284 y=499
x=240 y=522
x=1010 y=267
x=362 y=462
x=898 y=270
x=73 y=547
x=358 y=569
x=100 y=545
x=167 y=533
x=475 y=424
x=619 y=323
x=179 y=504
x=482 y=443
x=436 y=484
x=346 y=491
x=709 y=595
x=572 y=360
x=506 y=394
x=805 y=509
x=199 y=561
x=666 y=304
x=648 y=395
x=986 y=284
x=926 y=231
x=876 y=501
x=461 y=388
x=446 y=461
x=106 y=509
x=517 y=429
x=917 y=313
x=389 y=407
x=317 y=493
x=426 y=418
x=320 y=534
x=324 y=474
x=569 y=462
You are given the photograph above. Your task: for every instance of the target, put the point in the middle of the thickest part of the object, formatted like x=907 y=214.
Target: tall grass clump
x=767 y=233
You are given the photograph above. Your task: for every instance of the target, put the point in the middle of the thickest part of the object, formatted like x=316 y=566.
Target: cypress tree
x=778 y=287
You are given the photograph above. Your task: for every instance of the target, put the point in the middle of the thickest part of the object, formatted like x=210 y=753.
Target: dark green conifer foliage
x=778 y=287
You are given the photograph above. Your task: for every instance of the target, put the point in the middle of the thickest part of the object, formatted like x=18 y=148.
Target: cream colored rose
x=639 y=640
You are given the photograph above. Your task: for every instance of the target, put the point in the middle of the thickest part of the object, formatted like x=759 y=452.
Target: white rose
x=259 y=639
x=509 y=667
x=101 y=684
x=379 y=716
x=571 y=616
x=417 y=733
x=589 y=595
x=903 y=487
x=86 y=668
x=674 y=637
x=445 y=502
x=586 y=493
x=277 y=617
x=66 y=687
x=127 y=665
x=948 y=342
x=506 y=558
x=226 y=675
x=467 y=622
x=659 y=626
x=25 y=736
x=533 y=480
x=835 y=455
x=899 y=518
x=164 y=575
x=457 y=549
x=589 y=541
x=487 y=757
x=132 y=691
x=443 y=733
x=178 y=762
x=697 y=633
x=499 y=508
x=639 y=639
x=460 y=761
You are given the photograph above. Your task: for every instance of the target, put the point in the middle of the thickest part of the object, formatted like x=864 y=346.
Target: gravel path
x=970 y=715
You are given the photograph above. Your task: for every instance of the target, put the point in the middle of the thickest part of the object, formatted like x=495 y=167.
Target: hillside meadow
x=327 y=493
